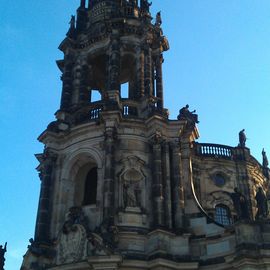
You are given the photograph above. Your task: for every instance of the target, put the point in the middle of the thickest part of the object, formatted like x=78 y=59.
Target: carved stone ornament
x=157 y=137
x=72 y=245
x=97 y=246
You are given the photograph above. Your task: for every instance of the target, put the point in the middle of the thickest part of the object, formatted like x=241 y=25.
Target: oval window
x=219 y=180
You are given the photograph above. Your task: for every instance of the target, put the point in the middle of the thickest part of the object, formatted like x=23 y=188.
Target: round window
x=219 y=180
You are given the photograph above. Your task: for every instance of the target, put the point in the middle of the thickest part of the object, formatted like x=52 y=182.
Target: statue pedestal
x=132 y=216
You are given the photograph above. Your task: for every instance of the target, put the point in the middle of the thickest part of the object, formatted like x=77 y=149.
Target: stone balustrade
x=214 y=150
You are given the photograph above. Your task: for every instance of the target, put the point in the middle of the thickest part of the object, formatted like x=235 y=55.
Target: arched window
x=223 y=215
x=90 y=187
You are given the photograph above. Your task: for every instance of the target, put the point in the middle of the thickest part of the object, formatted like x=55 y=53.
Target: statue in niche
x=2 y=255
x=242 y=138
x=262 y=206
x=240 y=204
x=186 y=114
x=131 y=194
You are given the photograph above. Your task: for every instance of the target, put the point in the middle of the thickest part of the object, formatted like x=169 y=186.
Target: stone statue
x=240 y=204
x=72 y=30
x=2 y=256
x=158 y=19
x=72 y=21
x=130 y=196
x=265 y=159
x=75 y=216
x=186 y=114
x=242 y=138
x=262 y=206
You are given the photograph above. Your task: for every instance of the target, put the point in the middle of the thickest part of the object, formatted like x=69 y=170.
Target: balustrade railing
x=95 y=113
x=129 y=110
x=214 y=150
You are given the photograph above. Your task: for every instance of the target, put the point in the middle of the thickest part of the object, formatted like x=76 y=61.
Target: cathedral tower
x=122 y=186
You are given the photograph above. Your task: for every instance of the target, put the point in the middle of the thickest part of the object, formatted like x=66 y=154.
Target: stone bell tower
x=122 y=186
x=108 y=165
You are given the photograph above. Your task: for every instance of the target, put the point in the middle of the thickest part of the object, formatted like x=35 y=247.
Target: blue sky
x=219 y=63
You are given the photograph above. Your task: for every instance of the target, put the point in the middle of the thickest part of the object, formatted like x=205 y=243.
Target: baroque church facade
x=122 y=185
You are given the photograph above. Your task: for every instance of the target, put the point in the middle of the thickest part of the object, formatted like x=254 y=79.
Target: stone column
x=140 y=72
x=77 y=79
x=148 y=68
x=109 y=173
x=159 y=81
x=192 y=206
x=142 y=79
x=66 y=88
x=113 y=83
x=42 y=232
x=82 y=4
x=167 y=181
x=157 y=185
x=178 y=189
x=84 y=94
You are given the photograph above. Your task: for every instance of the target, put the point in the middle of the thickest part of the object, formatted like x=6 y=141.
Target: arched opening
x=86 y=185
x=128 y=76
x=223 y=215
x=90 y=187
x=95 y=95
x=124 y=90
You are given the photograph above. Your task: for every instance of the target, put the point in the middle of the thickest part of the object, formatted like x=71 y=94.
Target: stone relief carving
x=72 y=245
x=73 y=238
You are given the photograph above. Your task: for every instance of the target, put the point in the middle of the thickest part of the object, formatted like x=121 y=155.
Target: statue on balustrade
x=242 y=138
x=186 y=114
x=262 y=205
x=265 y=159
x=240 y=204
x=2 y=256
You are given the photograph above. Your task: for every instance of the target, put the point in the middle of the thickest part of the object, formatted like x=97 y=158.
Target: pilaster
x=158 y=188
x=178 y=186
x=42 y=232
